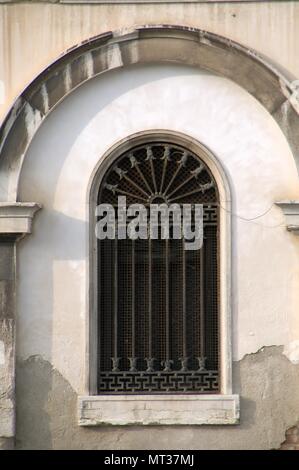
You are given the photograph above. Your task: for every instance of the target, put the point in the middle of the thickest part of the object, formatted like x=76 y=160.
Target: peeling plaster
x=291 y=351
x=294 y=98
x=2 y=353
x=47 y=411
x=258 y=351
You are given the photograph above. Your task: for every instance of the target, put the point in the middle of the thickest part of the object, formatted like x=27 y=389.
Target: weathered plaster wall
x=267 y=382
x=7 y=344
x=51 y=323
x=33 y=35
x=52 y=290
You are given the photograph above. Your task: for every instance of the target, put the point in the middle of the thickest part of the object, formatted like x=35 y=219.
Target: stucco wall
x=51 y=342
x=53 y=262
x=33 y=35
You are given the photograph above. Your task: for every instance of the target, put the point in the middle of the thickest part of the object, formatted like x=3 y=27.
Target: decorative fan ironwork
x=158 y=304
x=159 y=173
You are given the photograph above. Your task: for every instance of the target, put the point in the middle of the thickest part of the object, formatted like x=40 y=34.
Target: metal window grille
x=158 y=303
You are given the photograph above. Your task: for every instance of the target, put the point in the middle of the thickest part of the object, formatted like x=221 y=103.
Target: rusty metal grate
x=158 y=303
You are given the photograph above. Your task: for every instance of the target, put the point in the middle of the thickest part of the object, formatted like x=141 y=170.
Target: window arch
x=157 y=303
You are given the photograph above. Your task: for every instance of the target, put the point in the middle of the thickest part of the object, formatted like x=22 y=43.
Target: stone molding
x=291 y=212
x=15 y=222
x=292 y=438
x=158 y=410
x=16 y=218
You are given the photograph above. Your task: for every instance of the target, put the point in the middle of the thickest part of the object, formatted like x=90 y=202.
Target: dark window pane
x=158 y=303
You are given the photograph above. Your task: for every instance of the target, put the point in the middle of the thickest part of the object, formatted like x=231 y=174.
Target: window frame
x=220 y=408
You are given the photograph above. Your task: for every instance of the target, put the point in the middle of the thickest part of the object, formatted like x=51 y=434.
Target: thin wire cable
x=252 y=219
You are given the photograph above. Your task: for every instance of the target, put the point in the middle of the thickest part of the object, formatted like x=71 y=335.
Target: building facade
x=112 y=345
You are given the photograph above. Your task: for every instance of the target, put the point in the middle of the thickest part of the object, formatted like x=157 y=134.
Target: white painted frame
x=222 y=408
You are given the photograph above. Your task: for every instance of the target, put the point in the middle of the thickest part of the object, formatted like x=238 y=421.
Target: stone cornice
x=291 y=212
x=16 y=219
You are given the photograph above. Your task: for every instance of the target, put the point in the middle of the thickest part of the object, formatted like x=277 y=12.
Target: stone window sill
x=158 y=409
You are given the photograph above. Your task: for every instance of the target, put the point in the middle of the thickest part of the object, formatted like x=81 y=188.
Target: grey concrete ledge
x=291 y=212
x=158 y=410
x=16 y=218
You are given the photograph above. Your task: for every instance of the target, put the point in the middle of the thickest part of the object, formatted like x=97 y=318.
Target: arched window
x=158 y=303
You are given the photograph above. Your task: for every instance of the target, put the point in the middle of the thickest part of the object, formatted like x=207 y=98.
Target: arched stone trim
x=225 y=247
x=145 y=44
x=200 y=409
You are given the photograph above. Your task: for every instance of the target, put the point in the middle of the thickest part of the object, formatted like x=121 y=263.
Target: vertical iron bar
x=133 y=298
x=167 y=300
x=202 y=303
x=100 y=308
x=166 y=158
x=184 y=300
x=153 y=176
x=150 y=340
x=115 y=295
